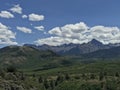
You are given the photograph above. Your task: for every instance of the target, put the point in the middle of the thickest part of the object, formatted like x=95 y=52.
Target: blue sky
x=97 y=16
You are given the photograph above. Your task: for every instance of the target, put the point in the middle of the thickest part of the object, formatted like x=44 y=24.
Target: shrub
x=11 y=69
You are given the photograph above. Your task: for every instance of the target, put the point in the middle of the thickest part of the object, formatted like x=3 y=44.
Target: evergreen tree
x=84 y=76
x=34 y=75
x=2 y=73
x=117 y=74
x=67 y=77
x=46 y=84
x=92 y=76
x=40 y=79
x=101 y=76
x=105 y=73
x=11 y=69
x=56 y=83
x=60 y=78
x=22 y=76
x=52 y=84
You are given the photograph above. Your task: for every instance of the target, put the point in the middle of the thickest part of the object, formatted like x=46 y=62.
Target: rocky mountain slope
x=75 y=49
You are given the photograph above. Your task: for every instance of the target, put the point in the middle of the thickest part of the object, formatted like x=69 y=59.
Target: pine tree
x=101 y=76
x=92 y=76
x=67 y=77
x=117 y=74
x=46 y=84
x=40 y=79
x=52 y=84
x=2 y=73
x=60 y=78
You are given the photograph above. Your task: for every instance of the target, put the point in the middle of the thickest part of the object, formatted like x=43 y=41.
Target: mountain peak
x=96 y=42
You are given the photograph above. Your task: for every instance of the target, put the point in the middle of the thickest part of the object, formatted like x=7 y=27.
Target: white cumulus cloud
x=6 y=35
x=24 y=16
x=35 y=17
x=40 y=28
x=105 y=34
x=16 y=9
x=54 y=41
x=81 y=33
x=24 y=29
x=56 y=31
x=6 y=14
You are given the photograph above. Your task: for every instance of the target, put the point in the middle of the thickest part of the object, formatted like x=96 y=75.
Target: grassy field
x=97 y=75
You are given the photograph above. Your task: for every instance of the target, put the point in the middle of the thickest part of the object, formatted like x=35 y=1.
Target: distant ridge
x=75 y=49
x=32 y=56
x=23 y=56
x=110 y=53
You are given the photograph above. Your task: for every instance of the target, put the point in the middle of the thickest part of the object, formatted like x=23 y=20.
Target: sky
x=56 y=22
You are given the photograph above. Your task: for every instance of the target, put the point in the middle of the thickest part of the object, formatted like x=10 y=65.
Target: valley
x=30 y=68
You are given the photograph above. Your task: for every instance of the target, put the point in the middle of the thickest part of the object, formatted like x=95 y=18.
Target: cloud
x=24 y=29
x=56 y=31
x=6 y=14
x=54 y=41
x=16 y=9
x=6 y=35
x=106 y=34
x=36 y=17
x=81 y=33
x=40 y=28
x=24 y=16
x=70 y=30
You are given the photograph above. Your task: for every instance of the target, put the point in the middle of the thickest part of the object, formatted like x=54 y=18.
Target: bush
x=11 y=69
x=92 y=76
x=77 y=77
x=67 y=77
x=117 y=74
x=101 y=76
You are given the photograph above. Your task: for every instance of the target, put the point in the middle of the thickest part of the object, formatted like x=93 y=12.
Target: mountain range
x=45 y=56
x=75 y=49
